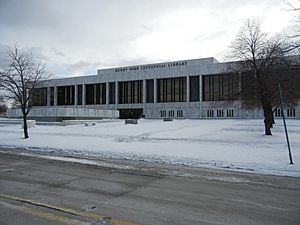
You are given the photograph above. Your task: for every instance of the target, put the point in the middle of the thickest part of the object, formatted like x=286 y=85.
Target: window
x=112 y=91
x=194 y=89
x=163 y=113
x=39 y=97
x=277 y=112
x=171 y=113
x=291 y=112
x=79 y=94
x=221 y=87
x=171 y=90
x=229 y=113
x=210 y=113
x=95 y=94
x=179 y=113
x=149 y=91
x=131 y=92
x=52 y=96
x=220 y=113
x=65 y=95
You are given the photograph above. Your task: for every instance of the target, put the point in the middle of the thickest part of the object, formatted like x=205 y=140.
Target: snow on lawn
x=229 y=144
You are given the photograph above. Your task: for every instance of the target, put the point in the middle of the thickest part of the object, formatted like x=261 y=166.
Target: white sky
x=77 y=37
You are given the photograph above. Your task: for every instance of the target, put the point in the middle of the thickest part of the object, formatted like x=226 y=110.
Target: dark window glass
x=194 y=89
x=65 y=95
x=39 y=97
x=95 y=94
x=221 y=87
x=112 y=91
x=51 y=96
x=171 y=89
x=89 y=94
x=130 y=92
x=79 y=94
x=150 y=91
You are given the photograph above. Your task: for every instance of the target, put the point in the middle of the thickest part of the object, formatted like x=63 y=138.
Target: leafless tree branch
x=20 y=78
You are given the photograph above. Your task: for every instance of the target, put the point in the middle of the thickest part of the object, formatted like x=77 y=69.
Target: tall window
x=277 y=112
x=65 y=95
x=150 y=91
x=210 y=113
x=230 y=113
x=79 y=94
x=291 y=112
x=39 y=97
x=95 y=94
x=194 y=89
x=112 y=91
x=171 y=90
x=51 y=95
x=131 y=92
x=220 y=113
x=221 y=87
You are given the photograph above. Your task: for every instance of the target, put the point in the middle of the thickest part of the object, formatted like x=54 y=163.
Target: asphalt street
x=36 y=190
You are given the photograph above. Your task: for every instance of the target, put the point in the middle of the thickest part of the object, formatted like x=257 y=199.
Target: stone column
x=155 y=98
x=76 y=95
x=55 y=96
x=83 y=94
x=48 y=96
x=155 y=91
x=116 y=95
x=144 y=91
x=188 y=89
x=200 y=95
x=107 y=94
x=187 y=97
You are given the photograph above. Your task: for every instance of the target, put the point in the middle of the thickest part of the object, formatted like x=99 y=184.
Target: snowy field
x=228 y=144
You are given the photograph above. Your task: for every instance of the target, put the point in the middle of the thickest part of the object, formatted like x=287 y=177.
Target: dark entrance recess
x=130 y=113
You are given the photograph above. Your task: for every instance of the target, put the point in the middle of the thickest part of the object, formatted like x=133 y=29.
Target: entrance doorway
x=130 y=113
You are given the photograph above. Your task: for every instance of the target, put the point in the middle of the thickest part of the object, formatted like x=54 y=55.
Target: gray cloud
x=82 y=66
x=79 y=36
x=29 y=13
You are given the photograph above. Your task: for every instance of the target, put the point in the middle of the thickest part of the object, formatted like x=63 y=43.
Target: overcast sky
x=77 y=37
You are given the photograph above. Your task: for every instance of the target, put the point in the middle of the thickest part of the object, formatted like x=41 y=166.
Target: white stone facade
x=182 y=110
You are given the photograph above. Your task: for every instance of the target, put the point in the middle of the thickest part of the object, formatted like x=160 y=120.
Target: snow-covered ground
x=229 y=144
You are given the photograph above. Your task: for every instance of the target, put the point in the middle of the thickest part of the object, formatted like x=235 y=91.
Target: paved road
x=34 y=190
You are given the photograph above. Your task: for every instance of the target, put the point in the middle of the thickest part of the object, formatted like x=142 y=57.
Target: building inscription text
x=152 y=66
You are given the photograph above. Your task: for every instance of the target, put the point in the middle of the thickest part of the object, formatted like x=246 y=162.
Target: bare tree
x=294 y=34
x=19 y=78
x=263 y=64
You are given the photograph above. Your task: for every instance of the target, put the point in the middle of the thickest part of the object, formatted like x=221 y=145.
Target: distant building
x=193 y=89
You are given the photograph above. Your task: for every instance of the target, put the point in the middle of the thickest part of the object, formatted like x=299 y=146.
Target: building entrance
x=130 y=113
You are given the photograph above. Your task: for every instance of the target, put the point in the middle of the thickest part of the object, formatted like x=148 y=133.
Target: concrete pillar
x=155 y=99
x=83 y=94
x=144 y=91
x=48 y=96
x=200 y=94
x=55 y=96
x=187 y=96
x=95 y=94
x=76 y=95
x=116 y=95
x=155 y=91
x=144 y=95
x=107 y=94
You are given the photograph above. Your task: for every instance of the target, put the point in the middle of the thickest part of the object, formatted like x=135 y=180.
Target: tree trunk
x=269 y=119
x=25 y=127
